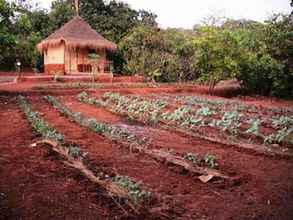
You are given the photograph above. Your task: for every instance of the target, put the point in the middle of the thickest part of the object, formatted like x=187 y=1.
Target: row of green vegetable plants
x=81 y=85
x=270 y=117
x=121 y=187
x=221 y=103
x=84 y=85
x=228 y=122
x=200 y=165
x=119 y=104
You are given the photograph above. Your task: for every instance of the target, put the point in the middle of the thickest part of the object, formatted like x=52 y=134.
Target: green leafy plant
x=283 y=121
x=192 y=158
x=210 y=160
x=254 y=127
x=111 y=131
x=38 y=124
x=204 y=111
x=133 y=188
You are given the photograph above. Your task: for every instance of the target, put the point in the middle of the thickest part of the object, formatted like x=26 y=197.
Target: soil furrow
x=42 y=187
x=261 y=174
x=156 y=176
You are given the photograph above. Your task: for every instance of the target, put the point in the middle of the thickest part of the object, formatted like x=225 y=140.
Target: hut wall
x=77 y=60
x=71 y=56
x=54 y=60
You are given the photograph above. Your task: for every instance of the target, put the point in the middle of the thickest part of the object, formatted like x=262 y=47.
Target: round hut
x=76 y=48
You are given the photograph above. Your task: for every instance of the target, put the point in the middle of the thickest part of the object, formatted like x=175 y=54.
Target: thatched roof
x=76 y=33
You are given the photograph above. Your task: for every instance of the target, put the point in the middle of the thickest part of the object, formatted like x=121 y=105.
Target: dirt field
x=37 y=183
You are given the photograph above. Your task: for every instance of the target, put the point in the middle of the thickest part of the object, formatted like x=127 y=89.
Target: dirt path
x=33 y=184
x=267 y=181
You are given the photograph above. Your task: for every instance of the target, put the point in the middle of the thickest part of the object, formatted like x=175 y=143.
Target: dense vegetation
x=259 y=55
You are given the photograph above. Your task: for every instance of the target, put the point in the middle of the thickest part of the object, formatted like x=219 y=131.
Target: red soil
x=157 y=177
x=261 y=176
x=34 y=184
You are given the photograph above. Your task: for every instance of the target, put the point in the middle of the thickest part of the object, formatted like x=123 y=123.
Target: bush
x=161 y=55
x=259 y=73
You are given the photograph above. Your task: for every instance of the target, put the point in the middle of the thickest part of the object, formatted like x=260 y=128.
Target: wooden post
x=77 y=51
x=77 y=7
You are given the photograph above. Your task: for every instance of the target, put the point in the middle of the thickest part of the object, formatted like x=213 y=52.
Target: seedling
x=133 y=188
x=210 y=160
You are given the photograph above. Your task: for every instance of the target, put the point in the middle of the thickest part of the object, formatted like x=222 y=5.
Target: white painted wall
x=54 y=55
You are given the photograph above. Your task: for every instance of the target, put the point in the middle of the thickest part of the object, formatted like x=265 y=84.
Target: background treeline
x=23 y=25
x=259 y=55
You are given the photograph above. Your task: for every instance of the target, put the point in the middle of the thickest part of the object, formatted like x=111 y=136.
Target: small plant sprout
x=133 y=188
x=204 y=111
x=210 y=160
x=254 y=127
x=192 y=158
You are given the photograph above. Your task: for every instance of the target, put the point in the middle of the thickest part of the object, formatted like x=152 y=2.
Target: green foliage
x=111 y=131
x=192 y=158
x=230 y=121
x=7 y=38
x=283 y=121
x=39 y=125
x=133 y=188
x=148 y=111
x=219 y=115
x=254 y=127
x=240 y=53
x=204 y=111
x=258 y=55
x=75 y=152
x=216 y=54
x=260 y=74
x=210 y=160
x=178 y=114
x=23 y=26
x=161 y=55
x=61 y=12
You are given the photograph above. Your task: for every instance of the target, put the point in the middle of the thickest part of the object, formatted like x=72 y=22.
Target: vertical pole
x=77 y=50
x=70 y=60
x=64 y=58
x=77 y=7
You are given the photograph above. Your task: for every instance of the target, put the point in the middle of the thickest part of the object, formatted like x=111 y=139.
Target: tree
x=242 y=53
x=217 y=52
x=278 y=36
x=147 y=18
x=112 y=20
x=158 y=54
x=7 y=38
x=61 y=12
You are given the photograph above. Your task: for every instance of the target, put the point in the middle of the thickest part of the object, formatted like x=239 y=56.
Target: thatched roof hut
x=66 y=50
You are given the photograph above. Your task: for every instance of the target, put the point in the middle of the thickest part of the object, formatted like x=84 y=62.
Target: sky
x=187 y=13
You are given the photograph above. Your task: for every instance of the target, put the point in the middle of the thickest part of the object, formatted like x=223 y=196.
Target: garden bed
x=263 y=189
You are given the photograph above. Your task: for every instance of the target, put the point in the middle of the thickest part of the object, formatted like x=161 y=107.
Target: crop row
x=121 y=187
x=81 y=85
x=167 y=119
x=202 y=166
x=84 y=85
x=223 y=104
x=230 y=122
x=269 y=117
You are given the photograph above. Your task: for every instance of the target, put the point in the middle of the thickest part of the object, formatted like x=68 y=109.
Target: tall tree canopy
x=259 y=55
x=23 y=25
